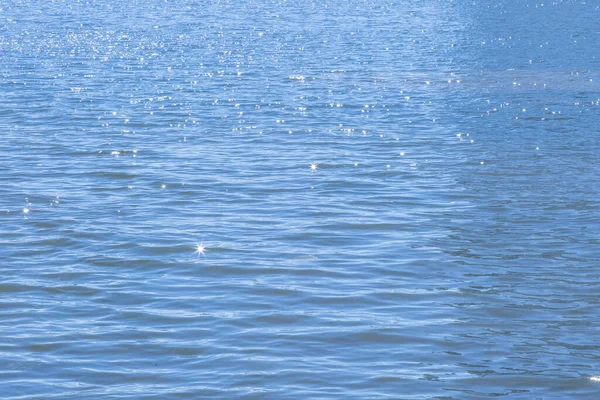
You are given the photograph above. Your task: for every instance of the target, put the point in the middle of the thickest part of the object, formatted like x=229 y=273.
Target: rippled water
x=444 y=243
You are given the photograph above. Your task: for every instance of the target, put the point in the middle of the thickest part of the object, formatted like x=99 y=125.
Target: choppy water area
x=391 y=199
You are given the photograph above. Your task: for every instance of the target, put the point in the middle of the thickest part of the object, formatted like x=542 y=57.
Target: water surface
x=443 y=246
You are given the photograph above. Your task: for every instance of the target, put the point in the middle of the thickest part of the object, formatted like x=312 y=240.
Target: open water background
x=445 y=247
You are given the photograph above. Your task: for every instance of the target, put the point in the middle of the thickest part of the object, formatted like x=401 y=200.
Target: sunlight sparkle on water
x=200 y=249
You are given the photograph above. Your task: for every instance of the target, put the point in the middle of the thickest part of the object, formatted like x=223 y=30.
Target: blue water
x=443 y=245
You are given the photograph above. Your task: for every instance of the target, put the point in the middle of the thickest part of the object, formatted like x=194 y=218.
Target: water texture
x=278 y=199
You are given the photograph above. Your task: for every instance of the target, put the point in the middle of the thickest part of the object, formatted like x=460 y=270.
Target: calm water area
x=270 y=199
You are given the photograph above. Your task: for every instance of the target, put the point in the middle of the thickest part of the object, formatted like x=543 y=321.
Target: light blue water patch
x=273 y=199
